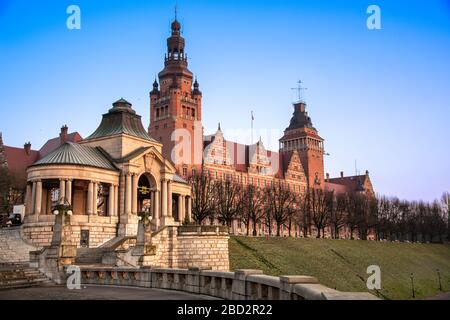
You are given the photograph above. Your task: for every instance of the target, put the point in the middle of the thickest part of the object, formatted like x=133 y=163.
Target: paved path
x=93 y=292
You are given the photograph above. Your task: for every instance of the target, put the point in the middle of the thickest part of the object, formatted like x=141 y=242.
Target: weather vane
x=299 y=89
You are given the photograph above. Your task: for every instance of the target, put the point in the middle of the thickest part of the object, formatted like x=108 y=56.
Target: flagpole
x=252 y=129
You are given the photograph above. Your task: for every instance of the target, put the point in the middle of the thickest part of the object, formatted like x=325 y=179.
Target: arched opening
x=146 y=186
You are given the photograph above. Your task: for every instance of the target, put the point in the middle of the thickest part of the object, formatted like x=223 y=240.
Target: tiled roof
x=77 y=154
x=54 y=143
x=337 y=188
x=121 y=119
x=18 y=160
x=179 y=179
x=350 y=183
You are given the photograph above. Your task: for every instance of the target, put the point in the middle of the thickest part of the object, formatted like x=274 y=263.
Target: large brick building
x=176 y=121
x=176 y=124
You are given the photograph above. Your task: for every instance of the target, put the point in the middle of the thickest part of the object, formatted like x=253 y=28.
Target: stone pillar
x=38 y=202
x=28 y=199
x=180 y=208
x=134 y=192
x=189 y=209
x=169 y=199
x=111 y=198
x=157 y=209
x=116 y=200
x=90 y=197
x=128 y=193
x=33 y=198
x=164 y=198
x=95 y=198
x=62 y=190
x=69 y=191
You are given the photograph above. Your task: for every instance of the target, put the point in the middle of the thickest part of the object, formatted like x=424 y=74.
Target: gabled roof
x=54 y=143
x=18 y=159
x=350 y=183
x=76 y=154
x=121 y=119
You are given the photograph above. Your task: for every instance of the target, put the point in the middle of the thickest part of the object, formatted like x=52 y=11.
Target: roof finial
x=299 y=90
x=218 y=127
x=176 y=11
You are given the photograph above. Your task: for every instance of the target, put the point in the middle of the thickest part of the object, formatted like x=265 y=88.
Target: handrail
x=243 y=284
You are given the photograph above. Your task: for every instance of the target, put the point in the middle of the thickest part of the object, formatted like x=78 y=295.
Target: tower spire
x=299 y=90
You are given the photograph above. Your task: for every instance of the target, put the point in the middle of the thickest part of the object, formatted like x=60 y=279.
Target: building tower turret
x=175 y=108
x=303 y=137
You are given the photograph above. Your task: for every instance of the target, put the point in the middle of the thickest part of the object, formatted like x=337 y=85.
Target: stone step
x=25 y=284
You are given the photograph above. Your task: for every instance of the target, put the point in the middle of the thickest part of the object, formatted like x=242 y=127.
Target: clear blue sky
x=381 y=97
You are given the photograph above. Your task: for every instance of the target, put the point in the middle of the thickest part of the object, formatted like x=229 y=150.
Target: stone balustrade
x=242 y=284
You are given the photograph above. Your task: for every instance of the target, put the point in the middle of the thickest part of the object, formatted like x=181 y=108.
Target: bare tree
x=12 y=189
x=445 y=199
x=228 y=200
x=202 y=197
x=279 y=201
x=337 y=206
x=319 y=209
x=252 y=207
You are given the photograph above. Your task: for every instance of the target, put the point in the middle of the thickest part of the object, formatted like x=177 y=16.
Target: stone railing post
x=288 y=282
x=239 y=288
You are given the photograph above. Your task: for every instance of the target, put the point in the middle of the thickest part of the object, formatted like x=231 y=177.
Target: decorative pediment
x=217 y=152
x=294 y=168
x=148 y=158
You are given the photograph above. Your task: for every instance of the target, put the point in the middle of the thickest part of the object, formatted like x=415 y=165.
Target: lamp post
x=62 y=232
x=439 y=278
x=412 y=285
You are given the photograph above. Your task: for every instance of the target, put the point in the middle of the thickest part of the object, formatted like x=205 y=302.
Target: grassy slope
x=342 y=264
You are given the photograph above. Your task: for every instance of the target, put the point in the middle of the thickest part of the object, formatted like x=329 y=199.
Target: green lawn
x=342 y=264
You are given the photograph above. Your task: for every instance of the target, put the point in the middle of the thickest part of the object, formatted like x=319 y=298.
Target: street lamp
x=63 y=207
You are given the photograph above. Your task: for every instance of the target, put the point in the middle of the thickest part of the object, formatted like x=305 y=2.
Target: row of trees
x=12 y=190
x=317 y=211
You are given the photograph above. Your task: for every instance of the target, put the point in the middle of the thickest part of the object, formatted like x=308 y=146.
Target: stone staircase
x=94 y=256
x=20 y=275
x=12 y=247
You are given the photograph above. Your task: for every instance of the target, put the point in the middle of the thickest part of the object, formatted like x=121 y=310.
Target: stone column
x=157 y=210
x=169 y=199
x=95 y=198
x=33 y=198
x=28 y=199
x=189 y=209
x=62 y=190
x=116 y=200
x=69 y=190
x=134 y=203
x=180 y=208
x=111 y=198
x=164 y=198
x=90 y=197
x=38 y=202
x=128 y=193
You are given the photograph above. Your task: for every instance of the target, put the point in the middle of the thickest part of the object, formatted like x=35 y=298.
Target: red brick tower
x=175 y=108
x=303 y=137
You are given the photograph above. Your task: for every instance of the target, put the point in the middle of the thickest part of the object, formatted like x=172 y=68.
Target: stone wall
x=101 y=229
x=238 y=285
x=188 y=246
x=12 y=247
